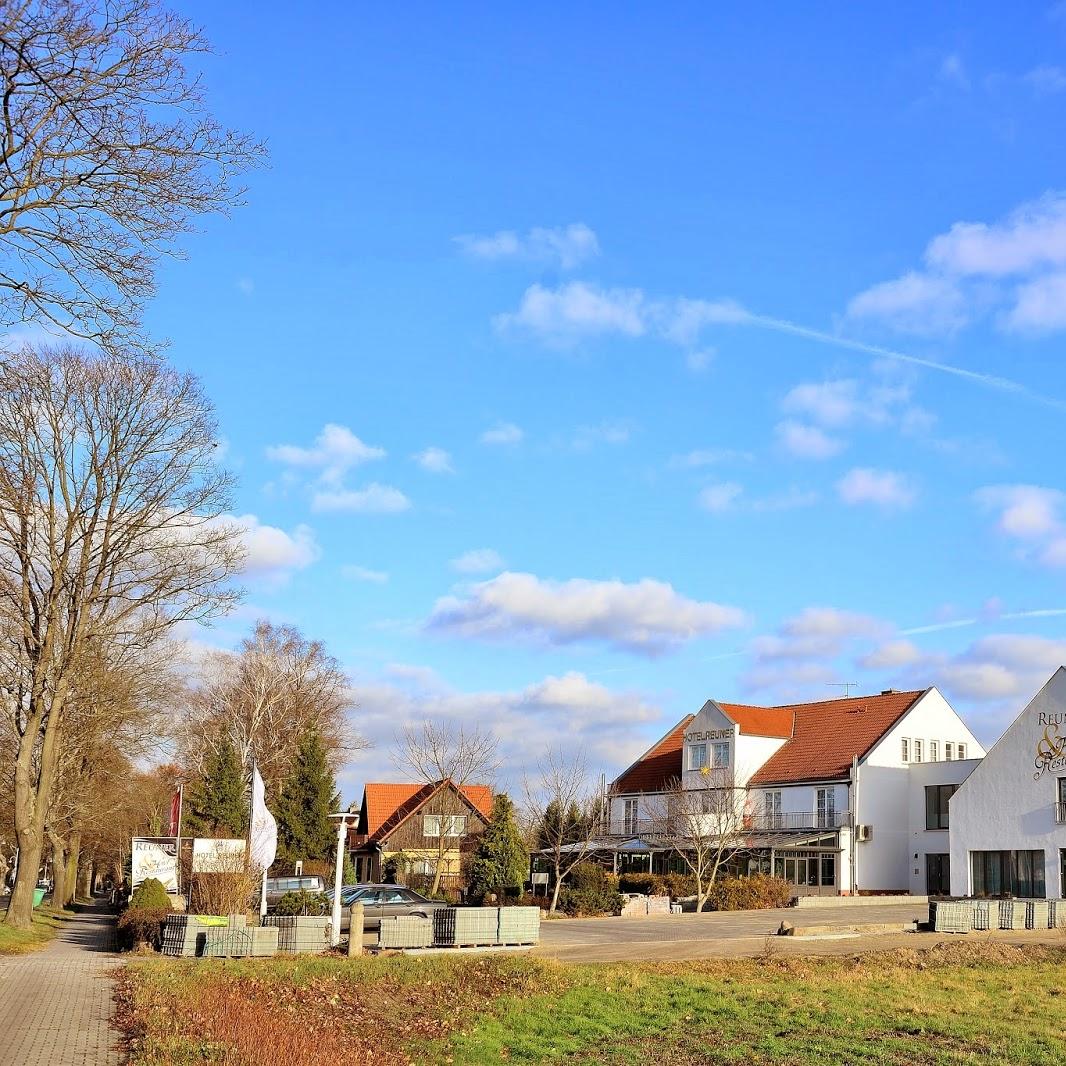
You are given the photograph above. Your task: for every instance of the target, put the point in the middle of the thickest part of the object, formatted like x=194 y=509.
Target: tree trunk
x=73 y=860
x=59 y=870
x=555 y=891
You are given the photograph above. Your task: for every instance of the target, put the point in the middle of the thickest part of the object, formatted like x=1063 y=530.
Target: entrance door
x=938 y=875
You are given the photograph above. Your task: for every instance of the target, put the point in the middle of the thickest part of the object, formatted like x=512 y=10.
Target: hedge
x=758 y=892
x=142 y=925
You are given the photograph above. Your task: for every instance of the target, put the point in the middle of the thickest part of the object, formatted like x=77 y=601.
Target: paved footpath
x=55 y=1004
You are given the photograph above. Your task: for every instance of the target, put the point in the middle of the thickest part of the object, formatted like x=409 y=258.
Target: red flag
x=175 y=813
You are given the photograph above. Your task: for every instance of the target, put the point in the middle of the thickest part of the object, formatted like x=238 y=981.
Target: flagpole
x=177 y=836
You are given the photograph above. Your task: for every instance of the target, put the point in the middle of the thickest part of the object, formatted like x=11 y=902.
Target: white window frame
x=934 y=751
x=630 y=815
x=771 y=805
x=949 y=751
x=960 y=751
x=905 y=749
x=447 y=825
x=694 y=762
x=720 y=755
x=431 y=825
x=918 y=751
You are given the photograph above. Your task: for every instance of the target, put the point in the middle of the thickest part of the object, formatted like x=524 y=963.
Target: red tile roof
x=387 y=805
x=820 y=739
x=760 y=721
x=829 y=734
x=659 y=765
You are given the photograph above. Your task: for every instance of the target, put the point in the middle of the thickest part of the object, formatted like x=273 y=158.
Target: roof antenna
x=847 y=686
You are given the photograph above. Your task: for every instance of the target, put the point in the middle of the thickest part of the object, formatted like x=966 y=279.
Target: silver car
x=388 y=901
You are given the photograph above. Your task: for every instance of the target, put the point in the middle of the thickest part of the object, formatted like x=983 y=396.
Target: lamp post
x=342 y=831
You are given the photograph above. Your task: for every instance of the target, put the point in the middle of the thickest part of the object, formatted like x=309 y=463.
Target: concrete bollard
x=355 y=930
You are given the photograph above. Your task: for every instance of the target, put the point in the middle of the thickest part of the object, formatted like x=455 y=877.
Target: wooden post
x=355 y=930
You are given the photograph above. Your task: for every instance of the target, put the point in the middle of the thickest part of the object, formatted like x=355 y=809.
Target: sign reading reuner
x=1051 y=747
x=155 y=857
x=708 y=734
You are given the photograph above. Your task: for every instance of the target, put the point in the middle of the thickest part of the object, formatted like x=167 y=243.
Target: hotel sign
x=708 y=734
x=1051 y=748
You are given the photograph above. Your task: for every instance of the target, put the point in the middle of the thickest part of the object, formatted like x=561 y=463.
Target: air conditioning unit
x=864 y=832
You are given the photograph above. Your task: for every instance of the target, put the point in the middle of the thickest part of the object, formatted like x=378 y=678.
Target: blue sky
x=579 y=366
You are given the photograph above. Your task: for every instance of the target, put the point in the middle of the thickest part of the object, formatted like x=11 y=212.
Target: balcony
x=796 y=821
x=1060 y=813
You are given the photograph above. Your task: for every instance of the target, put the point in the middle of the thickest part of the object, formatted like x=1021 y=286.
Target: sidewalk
x=55 y=1003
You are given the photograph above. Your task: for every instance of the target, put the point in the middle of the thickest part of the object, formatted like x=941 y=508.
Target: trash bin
x=38 y=896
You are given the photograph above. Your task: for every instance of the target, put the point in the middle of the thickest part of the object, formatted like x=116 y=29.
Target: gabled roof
x=659 y=765
x=386 y=806
x=821 y=739
x=827 y=735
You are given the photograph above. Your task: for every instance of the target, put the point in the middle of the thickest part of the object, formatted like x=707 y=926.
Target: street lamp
x=342 y=831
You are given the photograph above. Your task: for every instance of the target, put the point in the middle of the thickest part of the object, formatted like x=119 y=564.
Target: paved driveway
x=690 y=936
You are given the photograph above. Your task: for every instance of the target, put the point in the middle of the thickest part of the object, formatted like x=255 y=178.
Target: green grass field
x=45 y=925
x=959 y=1003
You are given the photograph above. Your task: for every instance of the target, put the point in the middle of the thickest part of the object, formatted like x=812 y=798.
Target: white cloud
x=246 y=285
x=435 y=460
x=503 y=433
x=914 y=303
x=807 y=442
x=362 y=573
x=1046 y=80
x=335 y=451
x=968 y=273
x=644 y=616
x=722 y=497
x=884 y=488
x=831 y=403
x=953 y=72
x=569 y=246
x=273 y=553
x=698 y=361
x=701 y=457
x=569 y=709
x=478 y=561
x=605 y=433
x=374 y=499
x=816 y=632
x=891 y=655
x=1031 y=515
x=577 y=309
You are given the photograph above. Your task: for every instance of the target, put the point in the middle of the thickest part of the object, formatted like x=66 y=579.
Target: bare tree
x=112 y=531
x=563 y=813
x=437 y=753
x=107 y=153
x=704 y=827
x=263 y=698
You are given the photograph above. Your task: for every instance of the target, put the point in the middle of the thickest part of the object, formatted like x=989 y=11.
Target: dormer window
x=719 y=756
x=697 y=756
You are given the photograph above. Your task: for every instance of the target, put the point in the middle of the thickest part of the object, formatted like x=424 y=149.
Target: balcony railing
x=757 y=821
x=1060 y=813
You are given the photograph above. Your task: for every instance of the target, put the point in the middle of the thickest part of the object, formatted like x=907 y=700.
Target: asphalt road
x=689 y=936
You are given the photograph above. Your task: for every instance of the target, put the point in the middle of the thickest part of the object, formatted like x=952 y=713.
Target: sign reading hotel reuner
x=1051 y=747
x=708 y=734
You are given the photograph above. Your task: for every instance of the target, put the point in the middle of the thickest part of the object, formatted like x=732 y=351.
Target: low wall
x=806 y=902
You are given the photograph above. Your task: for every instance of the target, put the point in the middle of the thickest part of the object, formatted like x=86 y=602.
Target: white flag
x=264 y=832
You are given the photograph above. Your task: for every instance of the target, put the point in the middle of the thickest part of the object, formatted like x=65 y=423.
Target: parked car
x=387 y=901
x=276 y=887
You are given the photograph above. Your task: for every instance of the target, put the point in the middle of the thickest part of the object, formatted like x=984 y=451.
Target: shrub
x=298 y=903
x=678 y=885
x=590 y=902
x=646 y=884
x=527 y=899
x=149 y=895
x=758 y=892
x=142 y=925
x=588 y=877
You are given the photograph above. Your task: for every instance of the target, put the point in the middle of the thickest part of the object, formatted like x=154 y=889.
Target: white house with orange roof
x=825 y=788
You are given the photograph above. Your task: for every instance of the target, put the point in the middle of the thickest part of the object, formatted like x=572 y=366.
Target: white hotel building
x=840 y=797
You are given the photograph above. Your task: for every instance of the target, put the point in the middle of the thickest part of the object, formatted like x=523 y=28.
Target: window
x=771 y=805
x=448 y=825
x=1008 y=873
x=630 y=816
x=431 y=825
x=936 y=805
x=934 y=751
x=917 y=751
x=905 y=749
x=827 y=803
x=719 y=756
x=949 y=750
x=960 y=752
x=829 y=870
x=697 y=756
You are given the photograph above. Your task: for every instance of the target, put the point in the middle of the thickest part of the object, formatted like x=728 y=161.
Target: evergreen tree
x=501 y=860
x=217 y=806
x=308 y=796
x=548 y=829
